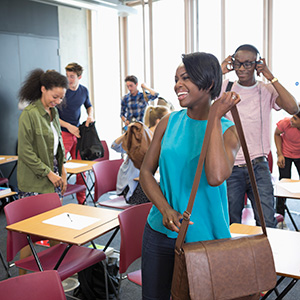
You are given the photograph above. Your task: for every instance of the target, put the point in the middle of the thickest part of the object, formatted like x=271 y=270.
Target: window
x=168 y=40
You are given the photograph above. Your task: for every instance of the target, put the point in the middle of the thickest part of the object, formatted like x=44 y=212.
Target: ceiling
x=123 y=6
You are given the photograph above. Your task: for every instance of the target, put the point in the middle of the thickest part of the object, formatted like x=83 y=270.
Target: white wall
x=106 y=73
x=74 y=43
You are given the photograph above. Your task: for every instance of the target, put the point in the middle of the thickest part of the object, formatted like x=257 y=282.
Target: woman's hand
x=226 y=102
x=56 y=180
x=227 y=65
x=281 y=161
x=64 y=179
x=172 y=219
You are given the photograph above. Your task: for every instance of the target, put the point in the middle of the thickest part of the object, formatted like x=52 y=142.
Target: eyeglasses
x=247 y=64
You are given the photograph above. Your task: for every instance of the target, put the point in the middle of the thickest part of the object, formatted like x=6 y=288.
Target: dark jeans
x=286 y=173
x=238 y=184
x=157 y=265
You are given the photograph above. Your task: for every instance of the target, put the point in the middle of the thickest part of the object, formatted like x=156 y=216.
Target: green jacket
x=35 y=149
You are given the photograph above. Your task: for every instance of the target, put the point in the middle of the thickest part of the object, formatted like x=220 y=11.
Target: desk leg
x=111 y=238
x=62 y=256
x=34 y=253
x=287 y=289
x=284 y=292
x=12 y=170
x=87 y=187
x=4 y=264
x=290 y=215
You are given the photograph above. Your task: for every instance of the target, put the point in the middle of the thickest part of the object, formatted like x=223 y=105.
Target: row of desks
x=75 y=167
x=285 y=244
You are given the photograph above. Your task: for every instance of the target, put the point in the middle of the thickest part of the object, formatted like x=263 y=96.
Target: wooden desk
x=285 y=247
x=279 y=191
x=87 y=165
x=108 y=220
x=5 y=159
x=8 y=195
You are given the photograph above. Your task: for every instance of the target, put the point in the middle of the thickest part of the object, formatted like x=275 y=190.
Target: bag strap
x=187 y=213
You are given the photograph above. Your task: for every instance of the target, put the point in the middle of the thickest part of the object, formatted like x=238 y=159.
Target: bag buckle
x=178 y=251
x=186 y=215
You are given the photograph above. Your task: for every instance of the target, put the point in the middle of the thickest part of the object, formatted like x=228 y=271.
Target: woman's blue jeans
x=157 y=265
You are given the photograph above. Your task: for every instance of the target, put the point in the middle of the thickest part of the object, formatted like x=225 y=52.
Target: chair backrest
x=34 y=286
x=106 y=173
x=106 y=152
x=132 y=222
x=270 y=160
x=23 y=209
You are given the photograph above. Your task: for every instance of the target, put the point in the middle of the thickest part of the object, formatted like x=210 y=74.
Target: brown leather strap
x=187 y=213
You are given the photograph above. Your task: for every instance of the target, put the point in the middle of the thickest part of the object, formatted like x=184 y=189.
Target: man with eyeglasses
x=257 y=101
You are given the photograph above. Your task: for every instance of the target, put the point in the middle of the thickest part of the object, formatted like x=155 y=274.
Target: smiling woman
x=41 y=152
x=40 y=148
x=176 y=146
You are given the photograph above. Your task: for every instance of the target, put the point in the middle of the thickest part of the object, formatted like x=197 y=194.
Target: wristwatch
x=274 y=80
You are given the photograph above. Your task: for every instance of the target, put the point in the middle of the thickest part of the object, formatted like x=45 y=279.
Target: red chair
x=76 y=259
x=106 y=173
x=3 y=181
x=73 y=189
x=132 y=222
x=106 y=152
x=35 y=286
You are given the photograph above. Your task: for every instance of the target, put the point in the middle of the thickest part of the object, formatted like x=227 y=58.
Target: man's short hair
x=131 y=78
x=74 y=67
x=248 y=47
x=298 y=114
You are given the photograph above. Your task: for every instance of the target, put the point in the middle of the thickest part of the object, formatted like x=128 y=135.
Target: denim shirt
x=35 y=148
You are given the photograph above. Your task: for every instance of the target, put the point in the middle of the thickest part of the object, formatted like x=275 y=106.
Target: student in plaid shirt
x=134 y=103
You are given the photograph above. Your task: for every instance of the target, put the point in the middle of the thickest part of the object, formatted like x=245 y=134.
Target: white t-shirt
x=55 y=138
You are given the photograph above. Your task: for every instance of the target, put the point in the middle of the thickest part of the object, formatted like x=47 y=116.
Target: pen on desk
x=69 y=217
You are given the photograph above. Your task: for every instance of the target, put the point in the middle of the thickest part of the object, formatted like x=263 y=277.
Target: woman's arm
x=278 y=143
x=26 y=152
x=149 y=184
x=222 y=149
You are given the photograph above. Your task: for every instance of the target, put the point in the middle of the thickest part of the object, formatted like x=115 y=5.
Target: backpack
x=136 y=142
x=89 y=144
x=92 y=281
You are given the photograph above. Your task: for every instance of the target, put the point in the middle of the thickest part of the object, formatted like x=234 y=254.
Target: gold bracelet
x=274 y=80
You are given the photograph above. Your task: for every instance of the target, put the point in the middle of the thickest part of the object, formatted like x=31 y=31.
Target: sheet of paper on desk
x=234 y=235
x=2 y=158
x=72 y=165
x=292 y=187
x=72 y=221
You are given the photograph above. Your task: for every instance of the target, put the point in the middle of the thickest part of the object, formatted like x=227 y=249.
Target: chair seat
x=3 y=181
x=118 y=202
x=73 y=189
x=135 y=277
x=77 y=259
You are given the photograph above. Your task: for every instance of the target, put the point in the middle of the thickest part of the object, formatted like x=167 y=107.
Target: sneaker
x=282 y=225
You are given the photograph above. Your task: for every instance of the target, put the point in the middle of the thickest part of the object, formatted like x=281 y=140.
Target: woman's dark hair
x=30 y=91
x=205 y=71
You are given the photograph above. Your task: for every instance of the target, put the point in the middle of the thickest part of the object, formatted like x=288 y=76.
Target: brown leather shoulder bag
x=233 y=268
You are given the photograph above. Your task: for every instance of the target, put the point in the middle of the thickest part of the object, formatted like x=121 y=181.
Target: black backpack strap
x=229 y=86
